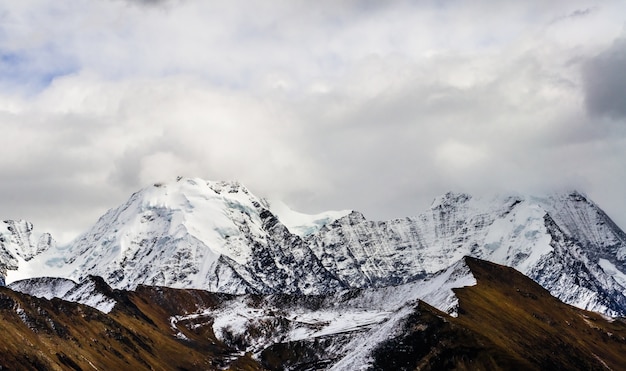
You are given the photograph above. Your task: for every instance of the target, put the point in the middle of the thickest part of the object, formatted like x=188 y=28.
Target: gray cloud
x=605 y=82
x=373 y=106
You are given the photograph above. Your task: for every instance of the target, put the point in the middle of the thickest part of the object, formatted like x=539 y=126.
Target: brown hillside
x=38 y=334
x=523 y=319
x=506 y=322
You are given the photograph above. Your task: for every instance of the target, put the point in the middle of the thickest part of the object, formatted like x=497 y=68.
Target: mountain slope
x=506 y=322
x=38 y=334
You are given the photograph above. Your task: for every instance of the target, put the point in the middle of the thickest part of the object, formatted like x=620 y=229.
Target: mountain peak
x=194 y=233
x=450 y=199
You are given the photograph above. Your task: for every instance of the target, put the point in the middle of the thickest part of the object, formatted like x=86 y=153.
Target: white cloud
x=373 y=106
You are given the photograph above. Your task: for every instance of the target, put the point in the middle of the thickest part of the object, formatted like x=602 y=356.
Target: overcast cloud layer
x=367 y=105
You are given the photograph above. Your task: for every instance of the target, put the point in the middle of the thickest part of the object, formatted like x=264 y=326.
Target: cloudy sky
x=371 y=105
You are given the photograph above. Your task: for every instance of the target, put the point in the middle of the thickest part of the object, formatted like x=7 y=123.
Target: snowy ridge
x=43 y=287
x=508 y=231
x=88 y=292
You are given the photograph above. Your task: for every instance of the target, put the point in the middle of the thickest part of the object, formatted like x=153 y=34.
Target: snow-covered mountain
x=218 y=236
x=564 y=242
x=191 y=233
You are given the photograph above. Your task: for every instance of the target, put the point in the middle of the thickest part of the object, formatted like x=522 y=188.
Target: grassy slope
x=520 y=317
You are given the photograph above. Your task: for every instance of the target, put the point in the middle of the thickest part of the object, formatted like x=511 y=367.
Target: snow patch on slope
x=303 y=224
x=359 y=350
x=327 y=322
x=437 y=291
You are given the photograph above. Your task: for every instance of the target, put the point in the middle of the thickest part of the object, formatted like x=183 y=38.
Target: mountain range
x=218 y=236
x=279 y=289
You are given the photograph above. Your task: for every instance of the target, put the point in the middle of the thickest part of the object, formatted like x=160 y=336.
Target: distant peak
x=576 y=196
x=453 y=199
x=450 y=199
